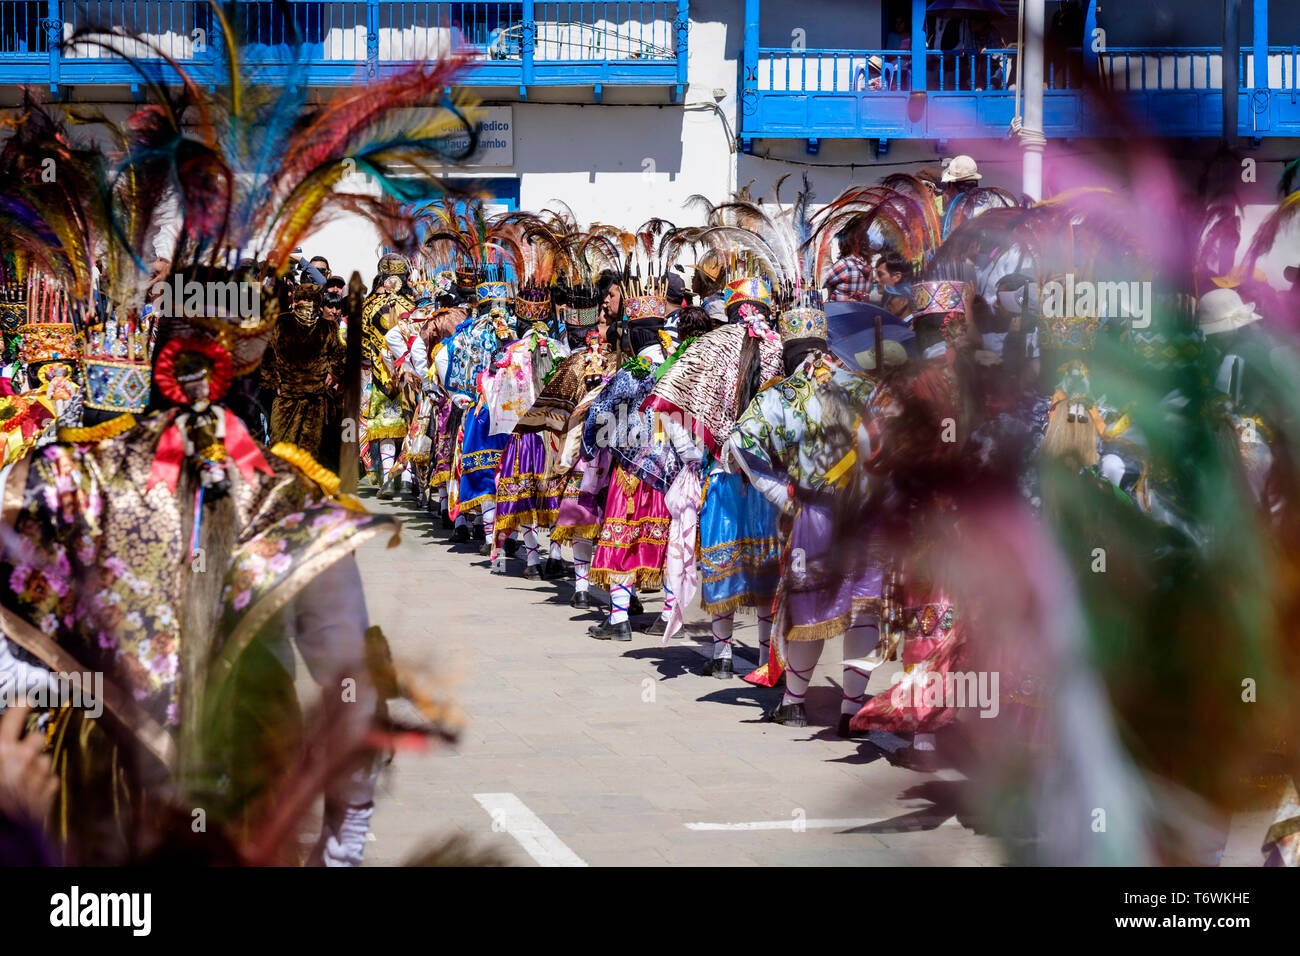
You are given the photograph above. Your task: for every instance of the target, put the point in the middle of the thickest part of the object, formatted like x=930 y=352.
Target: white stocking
x=859 y=641
x=801 y=659
x=581 y=564
x=722 y=627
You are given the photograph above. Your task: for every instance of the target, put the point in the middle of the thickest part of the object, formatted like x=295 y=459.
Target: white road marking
x=538 y=840
x=804 y=824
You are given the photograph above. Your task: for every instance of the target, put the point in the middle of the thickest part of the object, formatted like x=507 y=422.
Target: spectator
x=900 y=35
x=1064 y=35
x=707 y=284
x=322 y=265
x=894 y=281
x=850 y=278
x=678 y=298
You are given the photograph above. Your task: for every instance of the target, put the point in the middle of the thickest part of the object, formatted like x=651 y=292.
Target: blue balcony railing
x=513 y=44
x=827 y=93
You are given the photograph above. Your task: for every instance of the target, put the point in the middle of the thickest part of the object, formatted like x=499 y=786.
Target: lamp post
x=1031 y=131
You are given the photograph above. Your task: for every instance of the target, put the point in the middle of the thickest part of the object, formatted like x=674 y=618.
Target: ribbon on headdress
x=756 y=327
x=243 y=451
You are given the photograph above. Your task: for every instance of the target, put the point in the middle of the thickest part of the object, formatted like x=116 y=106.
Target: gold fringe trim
x=737 y=602
x=96 y=433
x=301 y=459
x=478 y=501
x=380 y=432
x=825 y=630
x=327 y=481
x=643 y=579
x=569 y=532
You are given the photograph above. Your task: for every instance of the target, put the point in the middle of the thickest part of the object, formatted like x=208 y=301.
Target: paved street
x=587 y=752
x=617 y=749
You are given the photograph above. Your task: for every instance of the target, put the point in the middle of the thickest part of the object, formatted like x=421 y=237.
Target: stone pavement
x=617 y=747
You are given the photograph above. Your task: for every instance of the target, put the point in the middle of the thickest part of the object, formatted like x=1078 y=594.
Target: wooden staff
x=351 y=449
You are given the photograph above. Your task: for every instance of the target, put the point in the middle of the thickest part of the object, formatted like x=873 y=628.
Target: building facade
x=625 y=110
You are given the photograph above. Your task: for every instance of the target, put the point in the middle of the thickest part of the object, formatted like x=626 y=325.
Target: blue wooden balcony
x=517 y=45
x=921 y=93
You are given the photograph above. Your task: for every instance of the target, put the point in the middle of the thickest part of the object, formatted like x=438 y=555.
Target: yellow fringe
x=736 y=602
x=825 y=630
x=568 y=532
x=95 y=433
x=302 y=460
x=642 y=579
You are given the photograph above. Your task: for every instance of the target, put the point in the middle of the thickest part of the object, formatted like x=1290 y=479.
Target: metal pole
x=1231 y=52
x=1031 y=133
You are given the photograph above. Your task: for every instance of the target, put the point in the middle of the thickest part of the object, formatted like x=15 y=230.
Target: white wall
x=621 y=163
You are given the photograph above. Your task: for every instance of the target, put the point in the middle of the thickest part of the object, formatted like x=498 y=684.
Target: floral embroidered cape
x=98 y=568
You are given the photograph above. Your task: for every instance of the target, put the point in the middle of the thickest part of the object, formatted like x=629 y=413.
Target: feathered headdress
x=903 y=216
x=259 y=167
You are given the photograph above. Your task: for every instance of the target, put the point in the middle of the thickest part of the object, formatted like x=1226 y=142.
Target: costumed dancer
x=408 y=362
x=726 y=545
x=526 y=499
x=797 y=443
x=917 y=427
x=112 y=523
x=731 y=549
x=561 y=409
x=304 y=369
x=480 y=453
x=385 y=424
x=633 y=541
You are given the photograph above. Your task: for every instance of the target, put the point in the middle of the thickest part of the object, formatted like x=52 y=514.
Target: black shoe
x=554 y=569
x=390 y=490
x=580 y=600
x=656 y=628
x=611 y=632
x=511 y=547
x=480 y=533
x=533 y=573
x=635 y=607
x=485 y=549
x=921 y=761
x=844 y=730
x=791 y=715
x=459 y=535
x=448 y=524
x=719 y=667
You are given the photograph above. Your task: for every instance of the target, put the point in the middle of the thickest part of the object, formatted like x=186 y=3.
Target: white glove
x=345 y=844
x=461 y=401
